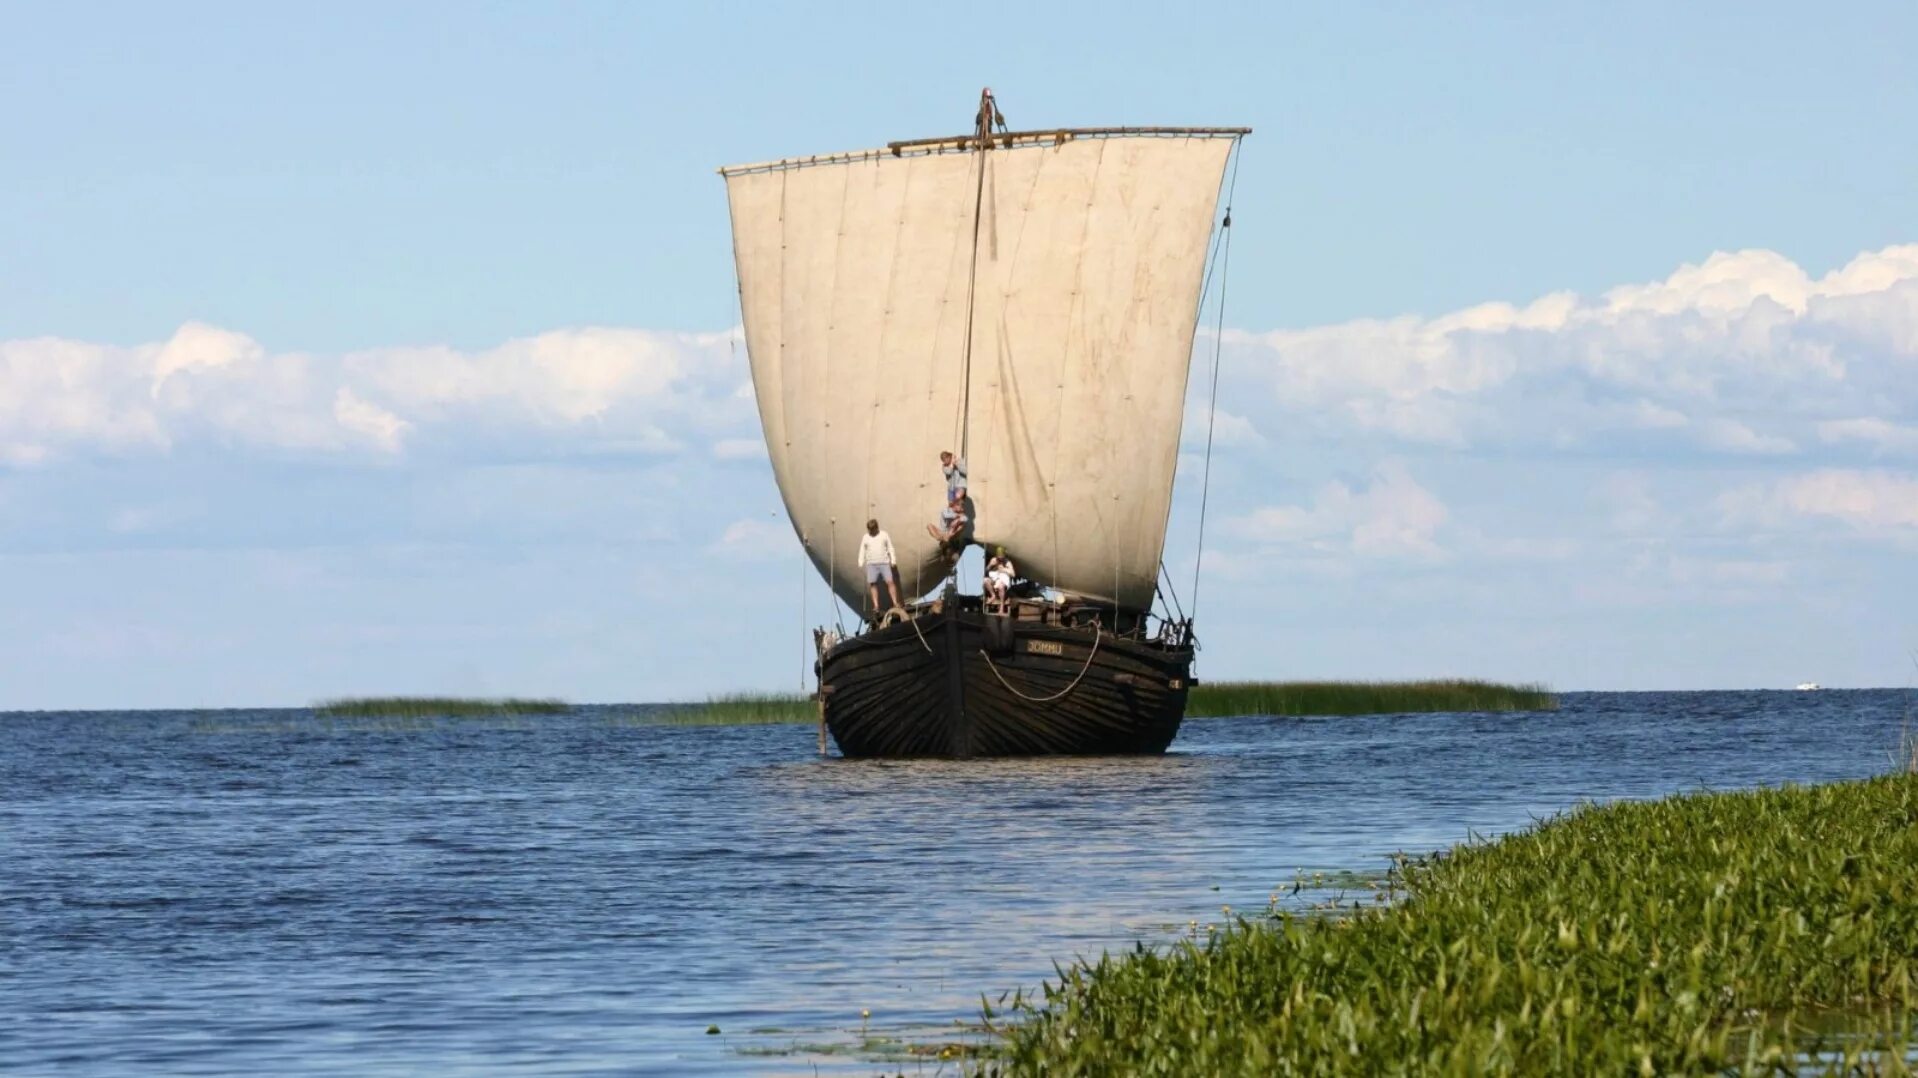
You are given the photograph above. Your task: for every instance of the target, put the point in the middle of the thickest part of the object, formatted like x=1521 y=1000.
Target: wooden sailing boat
x=1028 y=301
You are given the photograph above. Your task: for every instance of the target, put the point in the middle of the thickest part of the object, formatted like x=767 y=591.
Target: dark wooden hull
x=951 y=684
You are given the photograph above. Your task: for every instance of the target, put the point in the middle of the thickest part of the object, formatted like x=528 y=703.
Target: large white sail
x=854 y=273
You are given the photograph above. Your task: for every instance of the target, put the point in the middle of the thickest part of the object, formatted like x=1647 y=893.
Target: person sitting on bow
x=1000 y=573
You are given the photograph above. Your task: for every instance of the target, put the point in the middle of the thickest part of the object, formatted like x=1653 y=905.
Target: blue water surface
x=265 y=891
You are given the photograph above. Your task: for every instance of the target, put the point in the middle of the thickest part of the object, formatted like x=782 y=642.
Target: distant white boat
x=1807 y=686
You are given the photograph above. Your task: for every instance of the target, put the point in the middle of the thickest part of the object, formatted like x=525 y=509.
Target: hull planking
x=956 y=683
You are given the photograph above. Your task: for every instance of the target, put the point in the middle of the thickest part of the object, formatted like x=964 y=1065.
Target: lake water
x=262 y=891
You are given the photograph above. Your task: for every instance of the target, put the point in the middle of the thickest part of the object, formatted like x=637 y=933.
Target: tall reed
x=1223 y=698
x=434 y=707
x=743 y=709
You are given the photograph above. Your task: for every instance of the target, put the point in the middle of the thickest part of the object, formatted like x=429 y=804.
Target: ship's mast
x=983 y=122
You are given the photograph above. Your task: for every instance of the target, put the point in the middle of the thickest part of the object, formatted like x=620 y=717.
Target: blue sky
x=353 y=350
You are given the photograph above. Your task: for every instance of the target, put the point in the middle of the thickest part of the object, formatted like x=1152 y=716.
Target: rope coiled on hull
x=914 y=618
x=994 y=667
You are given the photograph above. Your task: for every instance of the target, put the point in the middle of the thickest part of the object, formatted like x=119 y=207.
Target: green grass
x=1206 y=700
x=1223 y=698
x=407 y=707
x=1746 y=932
x=743 y=709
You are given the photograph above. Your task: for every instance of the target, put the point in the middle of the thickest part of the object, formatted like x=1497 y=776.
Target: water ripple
x=228 y=892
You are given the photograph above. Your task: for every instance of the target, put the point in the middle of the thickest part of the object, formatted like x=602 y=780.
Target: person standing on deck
x=876 y=554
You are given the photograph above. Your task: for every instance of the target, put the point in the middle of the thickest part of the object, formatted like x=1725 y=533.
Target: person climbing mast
x=955 y=469
x=954 y=530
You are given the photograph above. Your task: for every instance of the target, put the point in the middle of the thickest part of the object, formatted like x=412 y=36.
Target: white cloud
x=1658 y=577
x=1885 y=438
x=1734 y=437
x=599 y=390
x=376 y=424
x=1657 y=417
x=57 y=392
x=739 y=449
x=756 y=540
x=561 y=377
x=198 y=345
x=1669 y=363
x=1227 y=430
x=1392 y=517
x=1877 y=502
x=1742 y=354
x=1631 y=507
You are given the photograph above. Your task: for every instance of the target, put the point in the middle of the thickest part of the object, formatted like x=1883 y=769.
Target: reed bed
x=1759 y=932
x=1227 y=698
x=425 y=707
x=1206 y=700
x=743 y=709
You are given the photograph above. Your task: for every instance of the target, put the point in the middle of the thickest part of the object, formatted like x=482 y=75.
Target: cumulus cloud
x=1745 y=353
x=378 y=426
x=1228 y=430
x=1886 y=438
x=1391 y=517
x=739 y=449
x=1734 y=437
x=755 y=540
x=1873 y=501
x=596 y=389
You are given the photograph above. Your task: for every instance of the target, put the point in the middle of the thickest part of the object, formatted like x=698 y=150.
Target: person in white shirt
x=876 y=554
x=1000 y=573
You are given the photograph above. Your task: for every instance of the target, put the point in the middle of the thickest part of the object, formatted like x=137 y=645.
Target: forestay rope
x=1223 y=255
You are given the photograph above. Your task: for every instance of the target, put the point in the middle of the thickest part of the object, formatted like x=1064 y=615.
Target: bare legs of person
x=892 y=589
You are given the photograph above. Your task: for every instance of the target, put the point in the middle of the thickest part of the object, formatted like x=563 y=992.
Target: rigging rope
x=832 y=582
x=983 y=136
x=994 y=667
x=1170 y=590
x=1218 y=333
x=804 y=570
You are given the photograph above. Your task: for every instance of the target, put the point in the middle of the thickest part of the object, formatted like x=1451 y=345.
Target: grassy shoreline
x=421 y=707
x=1222 y=699
x=1745 y=932
x=1219 y=699
x=1206 y=700
x=743 y=709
